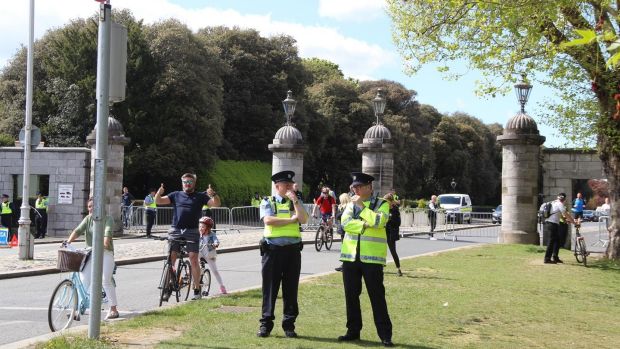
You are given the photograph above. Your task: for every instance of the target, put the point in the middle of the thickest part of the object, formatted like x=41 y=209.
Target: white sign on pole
x=65 y=194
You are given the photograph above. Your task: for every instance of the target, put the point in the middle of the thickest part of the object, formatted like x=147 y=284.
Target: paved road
x=25 y=317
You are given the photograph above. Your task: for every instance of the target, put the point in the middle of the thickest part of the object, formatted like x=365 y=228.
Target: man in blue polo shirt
x=187 y=211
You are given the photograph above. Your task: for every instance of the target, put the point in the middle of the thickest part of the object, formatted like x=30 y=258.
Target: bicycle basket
x=70 y=260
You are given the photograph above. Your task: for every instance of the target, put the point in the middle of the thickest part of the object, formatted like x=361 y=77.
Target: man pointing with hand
x=187 y=207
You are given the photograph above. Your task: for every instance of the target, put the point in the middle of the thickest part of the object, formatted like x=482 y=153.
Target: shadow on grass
x=407 y=274
x=360 y=343
x=605 y=264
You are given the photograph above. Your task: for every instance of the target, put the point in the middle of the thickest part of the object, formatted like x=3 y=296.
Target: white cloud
x=356 y=58
x=351 y=10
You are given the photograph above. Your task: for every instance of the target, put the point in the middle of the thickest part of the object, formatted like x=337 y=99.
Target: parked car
x=458 y=207
x=496 y=217
x=589 y=216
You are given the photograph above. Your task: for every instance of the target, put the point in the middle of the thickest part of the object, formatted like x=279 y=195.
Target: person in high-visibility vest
x=151 y=211
x=281 y=253
x=6 y=214
x=41 y=218
x=255 y=201
x=363 y=254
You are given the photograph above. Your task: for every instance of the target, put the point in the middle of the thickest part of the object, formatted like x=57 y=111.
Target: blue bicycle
x=70 y=299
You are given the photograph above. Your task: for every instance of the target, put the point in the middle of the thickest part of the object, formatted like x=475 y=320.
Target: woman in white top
x=208 y=244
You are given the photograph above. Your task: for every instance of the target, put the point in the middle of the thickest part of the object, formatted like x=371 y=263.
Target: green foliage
x=422 y=203
x=237 y=181
x=6 y=140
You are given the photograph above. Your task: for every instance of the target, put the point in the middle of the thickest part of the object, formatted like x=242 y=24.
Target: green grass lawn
x=496 y=296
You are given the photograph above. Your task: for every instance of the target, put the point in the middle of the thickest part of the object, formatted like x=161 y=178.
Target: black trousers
x=280 y=265
x=352 y=274
x=392 y=245
x=553 y=246
x=432 y=216
x=150 y=220
x=40 y=221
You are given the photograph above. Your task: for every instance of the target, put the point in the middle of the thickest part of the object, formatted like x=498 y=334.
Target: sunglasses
x=187 y=182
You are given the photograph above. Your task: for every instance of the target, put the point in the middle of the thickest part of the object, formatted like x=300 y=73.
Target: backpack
x=546 y=209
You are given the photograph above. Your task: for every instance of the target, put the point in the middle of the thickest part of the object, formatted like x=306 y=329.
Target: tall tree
x=259 y=72
x=505 y=38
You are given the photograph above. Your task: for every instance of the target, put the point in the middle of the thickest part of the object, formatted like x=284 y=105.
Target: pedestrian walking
x=126 y=204
x=6 y=214
x=281 y=253
x=433 y=207
x=392 y=229
x=363 y=253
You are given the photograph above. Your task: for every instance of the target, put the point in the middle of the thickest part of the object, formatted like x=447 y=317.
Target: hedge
x=237 y=181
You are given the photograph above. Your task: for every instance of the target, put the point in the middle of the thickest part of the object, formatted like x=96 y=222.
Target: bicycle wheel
x=184 y=279
x=578 y=254
x=63 y=306
x=205 y=279
x=329 y=238
x=584 y=252
x=318 y=239
x=164 y=285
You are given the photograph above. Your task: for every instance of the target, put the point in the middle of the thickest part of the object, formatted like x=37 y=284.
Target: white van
x=458 y=207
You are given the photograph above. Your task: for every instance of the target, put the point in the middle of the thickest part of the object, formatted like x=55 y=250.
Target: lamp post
x=453 y=184
x=523 y=89
x=378 y=104
x=289 y=107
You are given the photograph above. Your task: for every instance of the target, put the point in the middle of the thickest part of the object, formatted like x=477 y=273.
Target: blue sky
x=355 y=34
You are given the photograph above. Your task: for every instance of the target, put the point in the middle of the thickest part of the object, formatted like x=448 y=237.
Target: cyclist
x=552 y=228
x=327 y=206
x=187 y=209
x=208 y=244
x=86 y=228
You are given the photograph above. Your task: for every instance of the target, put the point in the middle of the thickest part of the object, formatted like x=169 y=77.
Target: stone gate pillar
x=288 y=153
x=378 y=157
x=115 y=158
x=520 y=165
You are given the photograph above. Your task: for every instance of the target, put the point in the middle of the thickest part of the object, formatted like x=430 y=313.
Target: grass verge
x=496 y=296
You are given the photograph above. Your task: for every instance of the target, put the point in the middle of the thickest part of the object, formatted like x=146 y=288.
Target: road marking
x=15 y=323
x=22 y=308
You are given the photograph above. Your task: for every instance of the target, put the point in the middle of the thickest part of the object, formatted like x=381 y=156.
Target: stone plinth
x=520 y=172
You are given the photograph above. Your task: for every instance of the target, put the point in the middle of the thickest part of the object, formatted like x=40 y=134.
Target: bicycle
x=581 y=254
x=205 y=277
x=178 y=281
x=324 y=235
x=70 y=299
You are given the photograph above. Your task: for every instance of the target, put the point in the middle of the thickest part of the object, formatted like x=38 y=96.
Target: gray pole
x=26 y=243
x=99 y=214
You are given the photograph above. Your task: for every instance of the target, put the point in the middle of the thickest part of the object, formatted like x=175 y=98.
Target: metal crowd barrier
x=603 y=233
x=417 y=222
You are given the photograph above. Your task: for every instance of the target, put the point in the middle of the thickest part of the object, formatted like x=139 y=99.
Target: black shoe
x=549 y=261
x=339 y=268
x=387 y=343
x=262 y=332
x=349 y=337
x=557 y=260
x=290 y=333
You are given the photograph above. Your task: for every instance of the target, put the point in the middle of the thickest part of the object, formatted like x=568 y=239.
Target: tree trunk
x=611 y=164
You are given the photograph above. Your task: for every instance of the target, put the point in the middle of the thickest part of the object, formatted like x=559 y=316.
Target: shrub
x=236 y=181
x=6 y=140
x=421 y=203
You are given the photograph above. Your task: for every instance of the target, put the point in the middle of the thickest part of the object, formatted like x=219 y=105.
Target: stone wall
x=561 y=166
x=64 y=166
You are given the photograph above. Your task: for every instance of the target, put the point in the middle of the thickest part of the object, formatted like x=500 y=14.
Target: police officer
x=6 y=214
x=41 y=219
x=363 y=253
x=281 y=253
x=151 y=211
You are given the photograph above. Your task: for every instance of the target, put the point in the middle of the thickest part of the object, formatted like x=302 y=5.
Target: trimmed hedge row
x=237 y=181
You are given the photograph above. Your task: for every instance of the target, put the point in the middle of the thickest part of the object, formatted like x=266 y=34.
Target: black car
x=496 y=217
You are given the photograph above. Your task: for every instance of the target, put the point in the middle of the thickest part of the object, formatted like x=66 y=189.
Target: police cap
x=360 y=178
x=5 y=196
x=283 y=176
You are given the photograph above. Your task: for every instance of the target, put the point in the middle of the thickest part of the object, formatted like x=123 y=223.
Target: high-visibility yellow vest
x=205 y=207
x=372 y=239
x=282 y=211
x=41 y=204
x=6 y=208
x=255 y=202
x=152 y=205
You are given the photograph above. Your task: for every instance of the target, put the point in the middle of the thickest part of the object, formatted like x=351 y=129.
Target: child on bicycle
x=208 y=244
